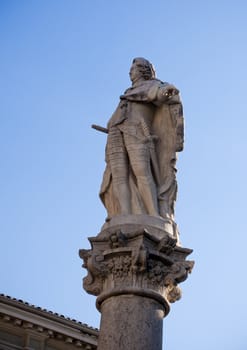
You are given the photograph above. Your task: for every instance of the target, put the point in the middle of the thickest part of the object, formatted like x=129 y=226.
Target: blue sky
x=63 y=66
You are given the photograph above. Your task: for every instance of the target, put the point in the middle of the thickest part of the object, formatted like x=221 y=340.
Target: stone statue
x=144 y=134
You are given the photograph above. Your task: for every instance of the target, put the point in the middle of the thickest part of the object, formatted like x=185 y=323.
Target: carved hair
x=145 y=68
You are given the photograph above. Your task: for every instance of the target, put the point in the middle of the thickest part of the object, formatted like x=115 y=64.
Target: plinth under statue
x=136 y=261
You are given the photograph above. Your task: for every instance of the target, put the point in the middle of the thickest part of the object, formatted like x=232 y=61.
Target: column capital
x=133 y=260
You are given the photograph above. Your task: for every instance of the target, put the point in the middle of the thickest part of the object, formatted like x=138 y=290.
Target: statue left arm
x=167 y=94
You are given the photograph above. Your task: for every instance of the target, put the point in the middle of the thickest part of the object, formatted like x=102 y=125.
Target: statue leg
x=139 y=157
x=119 y=164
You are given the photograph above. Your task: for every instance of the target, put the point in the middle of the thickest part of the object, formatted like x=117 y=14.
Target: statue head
x=141 y=69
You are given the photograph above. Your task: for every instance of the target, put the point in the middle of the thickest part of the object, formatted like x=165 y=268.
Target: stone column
x=134 y=271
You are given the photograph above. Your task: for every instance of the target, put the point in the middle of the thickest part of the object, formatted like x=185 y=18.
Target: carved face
x=141 y=69
x=135 y=73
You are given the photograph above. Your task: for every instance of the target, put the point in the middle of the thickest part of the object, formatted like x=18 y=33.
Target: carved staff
x=99 y=128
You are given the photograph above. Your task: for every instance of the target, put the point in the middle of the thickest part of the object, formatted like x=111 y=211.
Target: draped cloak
x=167 y=129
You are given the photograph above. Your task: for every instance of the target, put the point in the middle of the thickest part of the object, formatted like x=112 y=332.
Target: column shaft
x=131 y=322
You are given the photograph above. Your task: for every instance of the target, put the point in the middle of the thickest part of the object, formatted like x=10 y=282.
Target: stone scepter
x=136 y=261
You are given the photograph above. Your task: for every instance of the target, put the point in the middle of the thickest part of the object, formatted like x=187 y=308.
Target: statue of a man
x=144 y=134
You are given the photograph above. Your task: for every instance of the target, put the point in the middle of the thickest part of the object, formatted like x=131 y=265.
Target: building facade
x=25 y=326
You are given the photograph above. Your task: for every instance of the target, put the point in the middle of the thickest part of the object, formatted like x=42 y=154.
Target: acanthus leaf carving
x=173 y=293
x=178 y=272
x=167 y=244
x=119 y=266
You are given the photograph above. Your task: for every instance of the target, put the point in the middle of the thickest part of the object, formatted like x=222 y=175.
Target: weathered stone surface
x=131 y=322
x=130 y=223
x=135 y=259
x=136 y=262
